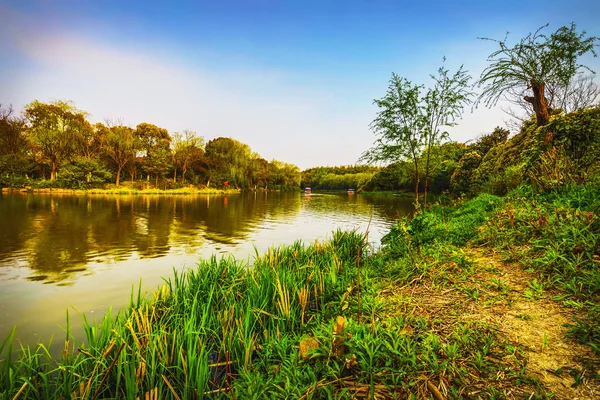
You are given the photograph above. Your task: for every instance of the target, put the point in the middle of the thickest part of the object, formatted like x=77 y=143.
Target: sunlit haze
x=293 y=80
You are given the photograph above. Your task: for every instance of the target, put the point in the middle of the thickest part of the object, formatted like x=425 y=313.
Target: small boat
x=350 y=191
x=307 y=190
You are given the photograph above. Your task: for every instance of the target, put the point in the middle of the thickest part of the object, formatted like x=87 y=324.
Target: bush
x=461 y=178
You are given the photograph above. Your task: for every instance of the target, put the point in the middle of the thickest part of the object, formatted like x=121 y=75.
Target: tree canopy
x=536 y=62
x=411 y=118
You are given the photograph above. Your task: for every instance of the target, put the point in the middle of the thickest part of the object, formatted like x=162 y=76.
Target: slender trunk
x=118 y=175
x=427 y=163
x=53 y=171
x=416 y=163
x=183 y=169
x=156 y=185
x=175 y=176
x=416 y=189
x=539 y=103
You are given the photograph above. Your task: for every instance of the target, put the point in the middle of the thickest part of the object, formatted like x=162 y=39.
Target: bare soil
x=510 y=300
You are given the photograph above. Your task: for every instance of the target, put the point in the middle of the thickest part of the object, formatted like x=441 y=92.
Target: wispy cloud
x=277 y=118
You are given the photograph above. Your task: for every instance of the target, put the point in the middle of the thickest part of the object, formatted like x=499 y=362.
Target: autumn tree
x=121 y=146
x=534 y=64
x=55 y=128
x=188 y=148
x=14 y=144
x=154 y=145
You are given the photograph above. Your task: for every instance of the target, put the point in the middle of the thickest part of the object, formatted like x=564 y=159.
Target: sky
x=295 y=80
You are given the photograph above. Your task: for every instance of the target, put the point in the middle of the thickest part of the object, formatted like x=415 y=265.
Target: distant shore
x=122 y=190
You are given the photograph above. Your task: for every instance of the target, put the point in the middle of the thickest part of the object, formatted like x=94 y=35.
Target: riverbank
x=135 y=191
x=124 y=190
x=461 y=301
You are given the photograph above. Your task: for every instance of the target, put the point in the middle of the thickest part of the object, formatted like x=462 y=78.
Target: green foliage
x=83 y=173
x=577 y=134
x=338 y=178
x=485 y=143
x=55 y=129
x=535 y=62
x=462 y=177
x=411 y=119
x=454 y=225
x=397 y=176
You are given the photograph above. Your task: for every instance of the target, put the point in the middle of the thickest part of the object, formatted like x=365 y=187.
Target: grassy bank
x=135 y=191
x=329 y=320
x=121 y=190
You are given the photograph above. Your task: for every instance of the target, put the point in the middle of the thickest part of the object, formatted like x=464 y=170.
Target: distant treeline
x=54 y=145
x=338 y=178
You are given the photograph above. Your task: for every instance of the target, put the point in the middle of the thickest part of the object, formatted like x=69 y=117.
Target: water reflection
x=85 y=252
x=57 y=236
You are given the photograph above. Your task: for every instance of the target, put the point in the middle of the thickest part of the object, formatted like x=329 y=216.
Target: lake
x=84 y=253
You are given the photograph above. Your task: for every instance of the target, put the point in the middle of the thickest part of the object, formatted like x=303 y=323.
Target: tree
x=158 y=162
x=484 y=143
x=55 y=128
x=399 y=126
x=14 y=145
x=411 y=121
x=581 y=92
x=187 y=150
x=227 y=159
x=535 y=63
x=121 y=146
x=461 y=181
x=153 y=139
x=444 y=103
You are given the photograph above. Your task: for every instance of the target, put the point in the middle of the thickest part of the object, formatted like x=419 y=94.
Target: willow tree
x=538 y=61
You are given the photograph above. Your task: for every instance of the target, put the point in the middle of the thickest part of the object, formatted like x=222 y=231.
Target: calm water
x=84 y=253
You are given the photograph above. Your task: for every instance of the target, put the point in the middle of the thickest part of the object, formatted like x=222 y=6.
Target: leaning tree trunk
x=539 y=103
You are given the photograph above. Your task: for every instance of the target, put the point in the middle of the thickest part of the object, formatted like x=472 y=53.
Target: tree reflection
x=57 y=236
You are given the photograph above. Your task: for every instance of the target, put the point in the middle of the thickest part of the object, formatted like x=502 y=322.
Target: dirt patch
x=533 y=320
x=514 y=303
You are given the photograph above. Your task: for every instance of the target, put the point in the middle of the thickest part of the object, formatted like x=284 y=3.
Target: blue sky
x=294 y=80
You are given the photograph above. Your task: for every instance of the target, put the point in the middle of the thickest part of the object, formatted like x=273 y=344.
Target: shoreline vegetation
x=123 y=190
x=444 y=309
